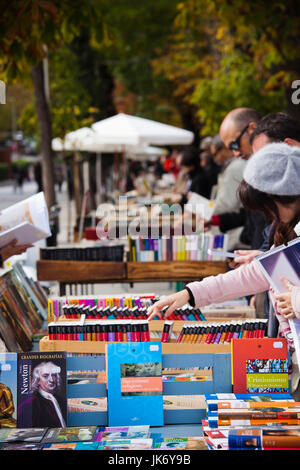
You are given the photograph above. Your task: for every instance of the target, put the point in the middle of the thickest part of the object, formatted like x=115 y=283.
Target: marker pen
x=229 y=333
x=224 y=333
x=51 y=332
x=123 y=329
x=119 y=333
x=200 y=335
x=219 y=334
x=181 y=334
x=103 y=332
x=236 y=330
x=216 y=332
x=111 y=333
x=128 y=331
x=166 y=331
x=205 y=333
x=245 y=330
x=145 y=336
x=210 y=334
x=135 y=332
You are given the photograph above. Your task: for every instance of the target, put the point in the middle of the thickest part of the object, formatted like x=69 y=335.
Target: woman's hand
x=174 y=301
x=12 y=249
x=284 y=300
x=245 y=257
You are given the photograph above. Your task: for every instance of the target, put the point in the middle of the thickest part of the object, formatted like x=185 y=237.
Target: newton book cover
x=134 y=384
x=41 y=390
x=260 y=365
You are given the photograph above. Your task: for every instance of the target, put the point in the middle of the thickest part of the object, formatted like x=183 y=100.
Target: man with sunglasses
x=236 y=129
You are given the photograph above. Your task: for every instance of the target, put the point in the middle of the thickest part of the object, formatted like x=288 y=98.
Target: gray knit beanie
x=275 y=169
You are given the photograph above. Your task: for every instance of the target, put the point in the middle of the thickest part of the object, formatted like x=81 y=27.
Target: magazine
x=283 y=261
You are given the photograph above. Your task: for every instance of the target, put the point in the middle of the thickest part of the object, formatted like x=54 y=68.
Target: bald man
x=235 y=131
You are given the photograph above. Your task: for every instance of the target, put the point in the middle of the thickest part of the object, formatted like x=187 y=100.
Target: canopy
x=131 y=130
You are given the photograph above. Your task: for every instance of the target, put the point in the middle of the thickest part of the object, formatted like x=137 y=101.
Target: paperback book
x=282 y=261
x=41 y=389
x=260 y=365
x=134 y=383
x=27 y=221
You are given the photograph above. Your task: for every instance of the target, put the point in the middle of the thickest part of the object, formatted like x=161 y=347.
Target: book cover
x=281 y=261
x=70 y=434
x=123 y=432
x=262 y=438
x=27 y=221
x=126 y=444
x=8 y=390
x=134 y=384
x=22 y=435
x=21 y=446
x=41 y=389
x=260 y=365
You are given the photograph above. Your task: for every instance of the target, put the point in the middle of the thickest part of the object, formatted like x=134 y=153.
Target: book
x=213 y=399
x=263 y=438
x=27 y=221
x=134 y=383
x=21 y=446
x=295 y=330
x=70 y=434
x=260 y=365
x=172 y=443
x=22 y=435
x=41 y=389
x=8 y=390
x=123 y=432
x=201 y=205
x=126 y=444
x=282 y=261
x=243 y=404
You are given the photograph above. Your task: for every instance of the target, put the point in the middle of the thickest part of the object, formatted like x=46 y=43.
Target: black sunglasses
x=235 y=144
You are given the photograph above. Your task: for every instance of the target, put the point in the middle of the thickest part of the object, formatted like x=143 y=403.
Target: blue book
x=134 y=384
x=8 y=390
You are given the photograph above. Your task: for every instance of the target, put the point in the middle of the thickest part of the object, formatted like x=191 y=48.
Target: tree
x=28 y=32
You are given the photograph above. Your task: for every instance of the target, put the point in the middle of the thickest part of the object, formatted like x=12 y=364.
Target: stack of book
x=23 y=309
x=243 y=421
x=90 y=253
x=177 y=248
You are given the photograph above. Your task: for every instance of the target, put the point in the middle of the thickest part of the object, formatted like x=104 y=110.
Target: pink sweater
x=245 y=280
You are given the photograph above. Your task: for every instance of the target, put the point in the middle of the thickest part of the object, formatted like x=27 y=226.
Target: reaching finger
x=286 y=282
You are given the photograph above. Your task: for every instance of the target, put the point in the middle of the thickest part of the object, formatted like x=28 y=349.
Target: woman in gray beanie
x=271 y=185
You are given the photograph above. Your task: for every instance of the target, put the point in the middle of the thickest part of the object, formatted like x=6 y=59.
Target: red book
x=259 y=365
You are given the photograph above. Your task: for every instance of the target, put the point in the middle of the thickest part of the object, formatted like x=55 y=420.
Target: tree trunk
x=44 y=120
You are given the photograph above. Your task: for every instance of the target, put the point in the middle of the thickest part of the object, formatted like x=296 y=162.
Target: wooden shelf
x=80 y=271
x=173 y=270
x=101 y=271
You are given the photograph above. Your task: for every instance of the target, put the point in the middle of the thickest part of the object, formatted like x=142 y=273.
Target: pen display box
x=183 y=401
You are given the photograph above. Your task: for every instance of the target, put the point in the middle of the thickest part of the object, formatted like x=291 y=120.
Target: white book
x=27 y=221
x=283 y=261
x=201 y=205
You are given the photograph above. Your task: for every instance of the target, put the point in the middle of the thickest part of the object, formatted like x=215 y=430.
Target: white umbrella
x=124 y=129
